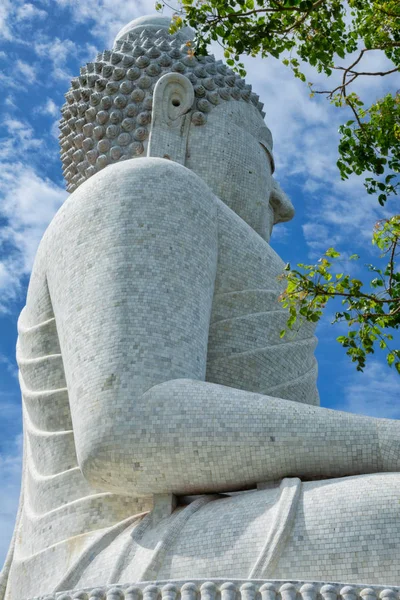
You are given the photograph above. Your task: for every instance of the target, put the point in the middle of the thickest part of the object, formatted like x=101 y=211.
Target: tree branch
x=279 y=9
x=321 y=291
x=358 y=73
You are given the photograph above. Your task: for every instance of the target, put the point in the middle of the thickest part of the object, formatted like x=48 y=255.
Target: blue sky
x=42 y=45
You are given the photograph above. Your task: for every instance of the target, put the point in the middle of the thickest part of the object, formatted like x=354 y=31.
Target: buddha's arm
x=131 y=281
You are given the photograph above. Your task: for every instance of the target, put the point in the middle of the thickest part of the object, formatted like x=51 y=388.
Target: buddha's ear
x=283 y=208
x=172 y=100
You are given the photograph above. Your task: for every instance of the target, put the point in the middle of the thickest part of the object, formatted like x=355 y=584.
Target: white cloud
x=29 y=12
x=58 y=52
x=374 y=393
x=28 y=203
x=108 y=16
x=280 y=233
x=341 y=212
x=10 y=82
x=10 y=102
x=49 y=108
x=14 y=13
x=5 y=11
x=19 y=139
x=27 y=71
x=10 y=479
x=290 y=113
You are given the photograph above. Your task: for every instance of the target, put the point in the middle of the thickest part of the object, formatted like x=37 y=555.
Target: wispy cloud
x=49 y=108
x=10 y=365
x=28 y=11
x=27 y=71
x=280 y=233
x=5 y=11
x=374 y=393
x=58 y=52
x=107 y=17
x=10 y=102
x=28 y=203
x=344 y=214
x=14 y=13
x=18 y=135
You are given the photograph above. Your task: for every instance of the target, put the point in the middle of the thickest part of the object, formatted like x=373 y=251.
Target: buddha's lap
x=334 y=518
x=344 y=529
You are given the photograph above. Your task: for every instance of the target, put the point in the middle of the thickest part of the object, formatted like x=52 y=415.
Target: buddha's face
x=229 y=154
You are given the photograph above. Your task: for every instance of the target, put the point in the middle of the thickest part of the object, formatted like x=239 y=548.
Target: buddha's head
x=108 y=113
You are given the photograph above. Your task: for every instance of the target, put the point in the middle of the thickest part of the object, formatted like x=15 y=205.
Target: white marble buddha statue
x=151 y=366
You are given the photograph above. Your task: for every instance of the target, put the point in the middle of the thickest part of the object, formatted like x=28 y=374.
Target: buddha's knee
x=356 y=521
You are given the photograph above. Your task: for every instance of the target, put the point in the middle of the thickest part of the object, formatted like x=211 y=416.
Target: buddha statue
x=169 y=432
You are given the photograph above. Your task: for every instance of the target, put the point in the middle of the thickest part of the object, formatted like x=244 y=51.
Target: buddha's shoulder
x=148 y=176
x=149 y=186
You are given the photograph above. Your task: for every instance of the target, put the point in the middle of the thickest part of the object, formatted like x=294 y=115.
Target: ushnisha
x=170 y=433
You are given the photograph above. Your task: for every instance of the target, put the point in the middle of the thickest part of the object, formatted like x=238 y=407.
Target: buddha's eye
x=270 y=159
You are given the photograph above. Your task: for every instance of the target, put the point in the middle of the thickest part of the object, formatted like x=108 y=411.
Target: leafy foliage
x=368 y=311
x=325 y=33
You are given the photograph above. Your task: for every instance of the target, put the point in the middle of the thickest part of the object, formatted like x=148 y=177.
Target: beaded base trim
x=218 y=589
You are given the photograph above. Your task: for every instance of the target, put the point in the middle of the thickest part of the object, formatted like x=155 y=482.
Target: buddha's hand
x=389 y=443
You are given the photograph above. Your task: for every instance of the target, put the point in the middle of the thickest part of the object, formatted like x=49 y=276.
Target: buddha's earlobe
x=172 y=101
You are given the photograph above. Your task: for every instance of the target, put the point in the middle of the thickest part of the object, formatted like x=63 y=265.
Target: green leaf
x=332 y=253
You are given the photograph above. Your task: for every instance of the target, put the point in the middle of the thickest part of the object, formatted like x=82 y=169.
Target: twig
x=391 y=263
x=322 y=292
x=358 y=73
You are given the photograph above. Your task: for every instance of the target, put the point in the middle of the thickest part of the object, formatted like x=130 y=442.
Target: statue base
x=220 y=589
